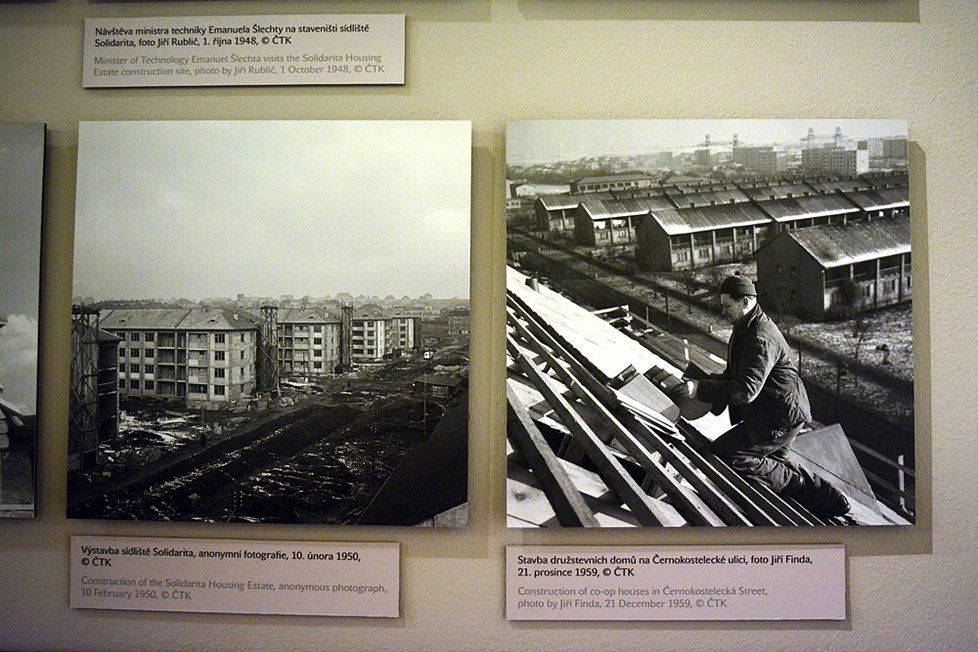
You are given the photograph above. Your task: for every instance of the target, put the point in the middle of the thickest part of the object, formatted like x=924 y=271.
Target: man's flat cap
x=738 y=285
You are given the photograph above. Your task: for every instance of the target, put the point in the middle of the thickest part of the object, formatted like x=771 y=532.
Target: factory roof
x=706 y=218
x=835 y=245
x=887 y=179
x=615 y=177
x=796 y=208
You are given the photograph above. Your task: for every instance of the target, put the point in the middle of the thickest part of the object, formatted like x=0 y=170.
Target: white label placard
x=235 y=576
x=681 y=583
x=244 y=50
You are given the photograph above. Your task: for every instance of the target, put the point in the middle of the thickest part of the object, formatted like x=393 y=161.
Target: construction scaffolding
x=83 y=421
x=346 y=338
x=267 y=362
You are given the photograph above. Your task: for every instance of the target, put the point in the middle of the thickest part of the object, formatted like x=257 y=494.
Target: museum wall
x=493 y=61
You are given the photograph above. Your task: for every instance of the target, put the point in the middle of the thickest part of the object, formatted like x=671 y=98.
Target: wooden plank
x=530 y=511
x=689 y=504
x=646 y=510
x=758 y=501
x=568 y=505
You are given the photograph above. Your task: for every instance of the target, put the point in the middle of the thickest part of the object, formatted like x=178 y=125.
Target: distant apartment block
x=202 y=354
x=377 y=334
x=766 y=160
x=308 y=342
x=836 y=160
x=458 y=321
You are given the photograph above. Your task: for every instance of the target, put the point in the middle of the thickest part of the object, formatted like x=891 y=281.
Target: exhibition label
x=235 y=576
x=681 y=583
x=244 y=50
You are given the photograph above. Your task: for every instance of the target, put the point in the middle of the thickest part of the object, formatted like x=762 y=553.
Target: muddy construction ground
x=321 y=460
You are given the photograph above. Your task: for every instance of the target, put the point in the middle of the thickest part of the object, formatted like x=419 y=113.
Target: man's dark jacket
x=761 y=383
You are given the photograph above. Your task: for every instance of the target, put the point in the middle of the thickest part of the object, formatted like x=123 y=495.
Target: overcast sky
x=554 y=140
x=210 y=208
x=21 y=186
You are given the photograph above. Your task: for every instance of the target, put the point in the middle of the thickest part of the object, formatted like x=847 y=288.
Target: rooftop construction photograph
x=709 y=322
x=271 y=322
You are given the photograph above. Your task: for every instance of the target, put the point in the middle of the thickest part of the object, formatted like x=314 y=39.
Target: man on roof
x=767 y=401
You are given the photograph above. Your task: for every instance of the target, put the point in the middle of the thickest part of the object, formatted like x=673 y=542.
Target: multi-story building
x=202 y=354
x=308 y=342
x=764 y=159
x=605 y=223
x=836 y=159
x=835 y=270
x=702 y=236
x=377 y=334
x=458 y=321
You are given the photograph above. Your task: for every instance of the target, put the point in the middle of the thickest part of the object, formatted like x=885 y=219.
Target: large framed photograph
x=709 y=322
x=21 y=202
x=271 y=322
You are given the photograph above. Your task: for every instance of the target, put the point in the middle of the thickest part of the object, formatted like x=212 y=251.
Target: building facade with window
x=197 y=355
x=831 y=271
x=308 y=342
x=377 y=334
x=690 y=238
x=607 y=222
x=612 y=182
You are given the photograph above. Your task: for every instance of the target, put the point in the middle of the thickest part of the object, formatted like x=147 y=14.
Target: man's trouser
x=767 y=463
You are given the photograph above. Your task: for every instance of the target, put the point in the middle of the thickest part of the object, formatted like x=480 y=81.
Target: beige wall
x=493 y=61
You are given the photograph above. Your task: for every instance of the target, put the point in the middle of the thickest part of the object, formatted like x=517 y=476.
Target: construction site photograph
x=709 y=322
x=21 y=193
x=271 y=322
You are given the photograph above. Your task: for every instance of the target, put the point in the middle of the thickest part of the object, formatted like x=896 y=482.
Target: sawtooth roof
x=847 y=185
x=765 y=192
x=598 y=209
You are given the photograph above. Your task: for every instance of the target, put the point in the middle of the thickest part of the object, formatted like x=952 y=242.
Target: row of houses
x=701 y=228
x=824 y=246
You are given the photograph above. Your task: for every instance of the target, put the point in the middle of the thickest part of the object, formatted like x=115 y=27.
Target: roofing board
x=602 y=344
x=803 y=207
x=706 y=218
x=832 y=246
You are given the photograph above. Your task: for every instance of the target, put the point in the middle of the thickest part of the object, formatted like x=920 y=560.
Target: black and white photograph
x=21 y=200
x=709 y=322
x=270 y=322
